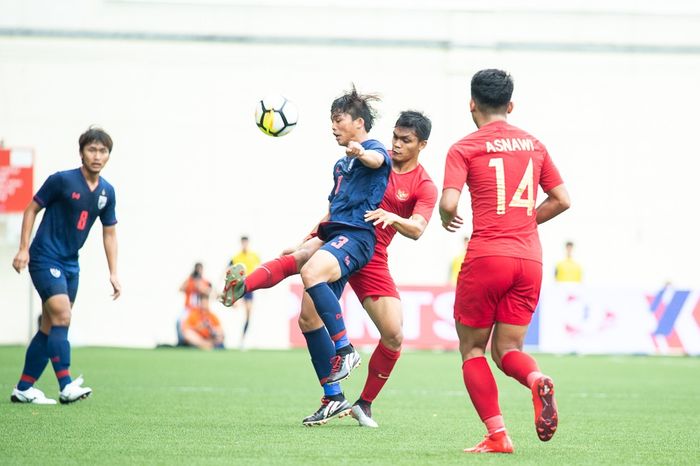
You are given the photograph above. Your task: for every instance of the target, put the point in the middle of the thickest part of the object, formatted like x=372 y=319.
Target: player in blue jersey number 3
x=73 y=200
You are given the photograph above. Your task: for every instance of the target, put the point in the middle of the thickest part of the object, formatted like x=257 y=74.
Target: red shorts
x=497 y=289
x=373 y=279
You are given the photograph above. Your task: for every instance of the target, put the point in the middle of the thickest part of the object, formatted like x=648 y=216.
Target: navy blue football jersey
x=358 y=188
x=71 y=208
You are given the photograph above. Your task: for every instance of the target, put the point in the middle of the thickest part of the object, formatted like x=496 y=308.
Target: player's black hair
x=357 y=106
x=416 y=121
x=95 y=134
x=492 y=89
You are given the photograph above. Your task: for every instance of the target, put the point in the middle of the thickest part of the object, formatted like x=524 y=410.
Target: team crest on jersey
x=55 y=273
x=401 y=195
x=102 y=200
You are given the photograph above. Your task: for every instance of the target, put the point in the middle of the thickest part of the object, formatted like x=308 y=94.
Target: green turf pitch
x=173 y=406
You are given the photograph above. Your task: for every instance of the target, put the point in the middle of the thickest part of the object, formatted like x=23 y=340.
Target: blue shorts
x=352 y=247
x=50 y=280
x=248 y=296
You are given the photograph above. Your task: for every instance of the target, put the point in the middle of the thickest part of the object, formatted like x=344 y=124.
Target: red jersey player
x=499 y=283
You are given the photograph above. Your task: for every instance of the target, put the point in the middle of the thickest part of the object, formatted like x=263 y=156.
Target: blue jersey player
x=360 y=179
x=73 y=200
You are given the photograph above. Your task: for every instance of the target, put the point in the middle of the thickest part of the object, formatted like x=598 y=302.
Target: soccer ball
x=276 y=116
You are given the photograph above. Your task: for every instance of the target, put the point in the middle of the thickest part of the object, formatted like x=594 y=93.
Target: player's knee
x=309 y=275
x=301 y=257
x=393 y=340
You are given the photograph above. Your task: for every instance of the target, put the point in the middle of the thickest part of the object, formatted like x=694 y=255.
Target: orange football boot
x=546 y=416
x=494 y=443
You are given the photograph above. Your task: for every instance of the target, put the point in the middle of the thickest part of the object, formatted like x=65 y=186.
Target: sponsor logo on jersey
x=510 y=145
x=55 y=272
x=401 y=195
x=75 y=196
x=102 y=200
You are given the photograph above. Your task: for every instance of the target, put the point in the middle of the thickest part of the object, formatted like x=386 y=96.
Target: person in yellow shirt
x=250 y=261
x=567 y=269
x=457 y=261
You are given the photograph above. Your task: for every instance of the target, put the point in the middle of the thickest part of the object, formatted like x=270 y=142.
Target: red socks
x=380 y=366
x=521 y=366
x=271 y=273
x=481 y=387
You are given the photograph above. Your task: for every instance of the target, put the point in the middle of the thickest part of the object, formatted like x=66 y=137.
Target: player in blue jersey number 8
x=73 y=200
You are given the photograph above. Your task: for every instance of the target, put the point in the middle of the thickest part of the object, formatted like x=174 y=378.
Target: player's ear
x=359 y=123
x=509 y=108
x=422 y=144
x=472 y=105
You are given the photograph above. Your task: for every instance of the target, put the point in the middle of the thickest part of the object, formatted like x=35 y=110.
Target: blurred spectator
x=457 y=261
x=195 y=286
x=567 y=269
x=201 y=328
x=251 y=261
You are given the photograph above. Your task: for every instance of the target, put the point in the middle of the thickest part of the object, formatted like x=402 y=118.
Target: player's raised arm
x=449 y=201
x=369 y=158
x=22 y=258
x=557 y=202
x=109 y=238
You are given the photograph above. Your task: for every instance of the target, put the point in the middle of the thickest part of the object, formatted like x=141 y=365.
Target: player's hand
x=381 y=216
x=452 y=223
x=21 y=260
x=354 y=149
x=115 y=286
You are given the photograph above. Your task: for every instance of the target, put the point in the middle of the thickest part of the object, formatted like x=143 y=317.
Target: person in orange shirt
x=202 y=328
x=194 y=287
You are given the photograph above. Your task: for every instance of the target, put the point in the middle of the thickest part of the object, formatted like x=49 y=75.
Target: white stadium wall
x=610 y=87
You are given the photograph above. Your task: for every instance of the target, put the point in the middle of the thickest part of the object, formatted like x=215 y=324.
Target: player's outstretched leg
x=362 y=411
x=234 y=287
x=74 y=391
x=331 y=407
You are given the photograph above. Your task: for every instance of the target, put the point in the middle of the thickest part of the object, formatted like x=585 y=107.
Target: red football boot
x=546 y=417
x=494 y=443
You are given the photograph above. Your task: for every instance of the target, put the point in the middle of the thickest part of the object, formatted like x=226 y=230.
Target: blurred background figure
x=456 y=264
x=567 y=269
x=251 y=261
x=201 y=328
x=196 y=289
x=195 y=286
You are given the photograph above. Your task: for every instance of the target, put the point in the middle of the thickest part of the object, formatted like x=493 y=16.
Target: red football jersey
x=502 y=165
x=406 y=194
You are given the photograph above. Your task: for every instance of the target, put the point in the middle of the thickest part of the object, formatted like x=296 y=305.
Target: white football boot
x=31 y=395
x=74 y=392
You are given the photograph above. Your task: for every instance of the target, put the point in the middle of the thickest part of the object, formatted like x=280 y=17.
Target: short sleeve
x=373 y=144
x=108 y=216
x=549 y=175
x=455 y=169
x=426 y=199
x=50 y=191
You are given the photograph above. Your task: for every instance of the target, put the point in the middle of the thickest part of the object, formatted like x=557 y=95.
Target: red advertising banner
x=428 y=321
x=16 y=179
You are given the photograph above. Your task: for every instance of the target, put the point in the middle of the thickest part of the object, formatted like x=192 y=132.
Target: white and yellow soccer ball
x=276 y=116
